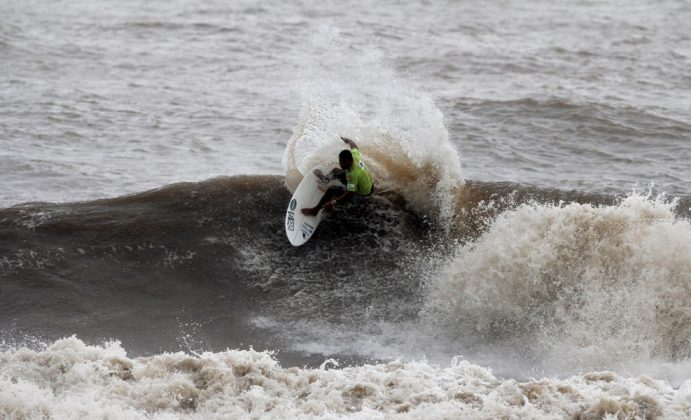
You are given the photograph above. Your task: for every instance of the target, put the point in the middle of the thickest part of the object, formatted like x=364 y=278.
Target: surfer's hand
x=349 y=142
x=331 y=204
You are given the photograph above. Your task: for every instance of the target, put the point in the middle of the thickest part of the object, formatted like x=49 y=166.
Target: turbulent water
x=526 y=254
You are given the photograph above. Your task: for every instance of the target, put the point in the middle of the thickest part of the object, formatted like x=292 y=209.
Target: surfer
x=353 y=174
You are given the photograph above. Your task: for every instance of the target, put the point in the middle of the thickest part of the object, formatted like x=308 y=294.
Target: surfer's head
x=345 y=159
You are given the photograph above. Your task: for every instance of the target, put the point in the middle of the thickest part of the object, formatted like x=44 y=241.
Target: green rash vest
x=359 y=179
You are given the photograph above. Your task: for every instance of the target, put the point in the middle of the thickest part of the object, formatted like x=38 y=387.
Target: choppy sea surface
x=527 y=254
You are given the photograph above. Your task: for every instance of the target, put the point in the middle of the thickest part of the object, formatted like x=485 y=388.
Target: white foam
x=576 y=287
x=70 y=379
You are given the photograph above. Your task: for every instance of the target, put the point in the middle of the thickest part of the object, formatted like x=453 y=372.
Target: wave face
x=519 y=265
x=213 y=251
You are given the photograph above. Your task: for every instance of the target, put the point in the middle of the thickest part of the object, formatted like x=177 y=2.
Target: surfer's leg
x=332 y=192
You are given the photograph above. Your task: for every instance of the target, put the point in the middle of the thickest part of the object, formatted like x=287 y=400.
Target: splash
x=349 y=90
x=598 y=287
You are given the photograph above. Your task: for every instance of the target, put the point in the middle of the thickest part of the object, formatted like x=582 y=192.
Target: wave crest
x=590 y=284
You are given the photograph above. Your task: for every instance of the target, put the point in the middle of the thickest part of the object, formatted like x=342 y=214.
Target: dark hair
x=345 y=155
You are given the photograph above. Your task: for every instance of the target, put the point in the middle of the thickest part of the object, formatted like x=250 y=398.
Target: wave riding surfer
x=353 y=174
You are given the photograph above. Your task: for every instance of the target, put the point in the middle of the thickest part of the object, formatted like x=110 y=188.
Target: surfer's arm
x=341 y=199
x=349 y=142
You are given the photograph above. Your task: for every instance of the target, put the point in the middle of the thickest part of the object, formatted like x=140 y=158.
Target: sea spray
x=349 y=90
x=591 y=286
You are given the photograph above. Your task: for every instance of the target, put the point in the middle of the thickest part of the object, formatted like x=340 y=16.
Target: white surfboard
x=299 y=227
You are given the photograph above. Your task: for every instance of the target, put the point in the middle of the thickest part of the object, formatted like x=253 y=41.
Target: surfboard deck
x=299 y=227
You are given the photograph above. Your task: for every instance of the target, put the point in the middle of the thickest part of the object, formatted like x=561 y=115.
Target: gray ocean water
x=105 y=98
x=526 y=256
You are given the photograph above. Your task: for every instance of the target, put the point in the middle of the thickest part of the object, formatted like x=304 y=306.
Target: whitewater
x=526 y=255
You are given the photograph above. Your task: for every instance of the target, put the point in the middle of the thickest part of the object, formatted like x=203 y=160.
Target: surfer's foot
x=310 y=211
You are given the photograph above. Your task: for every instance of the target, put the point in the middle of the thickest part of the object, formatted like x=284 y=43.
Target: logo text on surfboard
x=290 y=225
